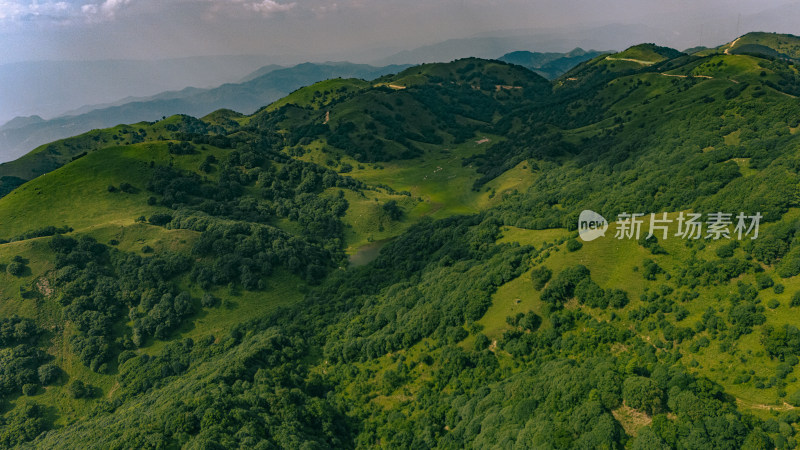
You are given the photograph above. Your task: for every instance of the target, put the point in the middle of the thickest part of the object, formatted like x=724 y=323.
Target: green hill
x=780 y=45
x=646 y=54
x=49 y=157
x=634 y=58
x=395 y=263
x=761 y=44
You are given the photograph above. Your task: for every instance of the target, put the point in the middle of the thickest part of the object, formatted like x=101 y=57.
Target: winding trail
x=753 y=405
x=644 y=63
x=728 y=50
x=686 y=76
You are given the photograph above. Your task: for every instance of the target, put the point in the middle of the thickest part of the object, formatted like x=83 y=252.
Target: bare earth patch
x=572 y=304
x=113 y=389
x=631 y=420
x=43 y=285
x=752 y=405
x=499 y=87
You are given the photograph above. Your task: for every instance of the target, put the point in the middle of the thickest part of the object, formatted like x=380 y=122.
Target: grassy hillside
x=395 y=263
x=49 y=157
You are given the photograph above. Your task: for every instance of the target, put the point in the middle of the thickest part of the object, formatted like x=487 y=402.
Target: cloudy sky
x=152 y=29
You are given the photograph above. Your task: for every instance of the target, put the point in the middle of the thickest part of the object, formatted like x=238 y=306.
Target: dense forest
x=395 y=263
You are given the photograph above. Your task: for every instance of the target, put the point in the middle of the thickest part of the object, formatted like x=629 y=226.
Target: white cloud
x=14 y=10
x=104 y=10
x=9 y=10
x=268 y=7
x=107 y=9
x=58 y=11
x=244 y=8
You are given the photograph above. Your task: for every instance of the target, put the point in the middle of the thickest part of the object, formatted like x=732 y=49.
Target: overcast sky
x=153 y=29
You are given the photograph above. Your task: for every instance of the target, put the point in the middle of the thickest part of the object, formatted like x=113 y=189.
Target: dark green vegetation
x=190 y=286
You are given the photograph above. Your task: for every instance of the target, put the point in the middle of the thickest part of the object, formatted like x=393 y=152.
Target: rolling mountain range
x=20 y=136
x=397 y=263
x=256 y=89
x=260 y=87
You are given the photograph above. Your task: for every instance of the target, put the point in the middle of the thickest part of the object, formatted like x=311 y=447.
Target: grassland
x=617 y=263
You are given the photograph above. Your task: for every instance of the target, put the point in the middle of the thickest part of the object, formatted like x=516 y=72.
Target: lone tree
x=394 y=211
x=78 y=389
x=15 y=268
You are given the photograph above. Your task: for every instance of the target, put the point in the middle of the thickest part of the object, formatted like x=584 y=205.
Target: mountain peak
x=649 y=53
x=19 y=122
x=471 y=71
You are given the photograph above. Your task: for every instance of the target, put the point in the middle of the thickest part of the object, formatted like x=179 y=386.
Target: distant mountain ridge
x=261 y=71
x=51 y=88
x=489 y=46
x=550 y=65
